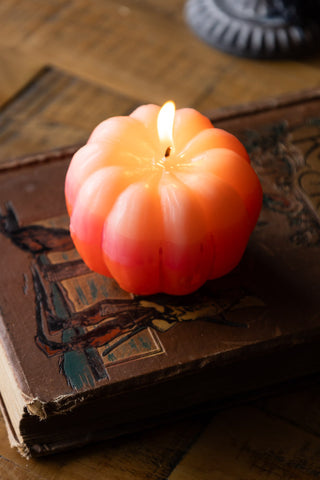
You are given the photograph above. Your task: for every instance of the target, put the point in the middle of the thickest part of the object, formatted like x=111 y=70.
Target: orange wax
x=161 y=204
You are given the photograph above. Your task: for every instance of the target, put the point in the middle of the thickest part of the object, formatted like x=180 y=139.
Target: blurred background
x=77 y=62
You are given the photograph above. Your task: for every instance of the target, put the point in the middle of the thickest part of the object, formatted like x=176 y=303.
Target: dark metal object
x=257 y=28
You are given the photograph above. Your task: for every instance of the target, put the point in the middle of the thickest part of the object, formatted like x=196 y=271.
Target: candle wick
x=167 y=152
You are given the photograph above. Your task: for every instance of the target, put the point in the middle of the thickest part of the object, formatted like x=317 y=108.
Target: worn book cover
x=82 y=360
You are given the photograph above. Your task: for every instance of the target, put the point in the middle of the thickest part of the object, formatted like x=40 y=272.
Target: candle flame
x=165 y=126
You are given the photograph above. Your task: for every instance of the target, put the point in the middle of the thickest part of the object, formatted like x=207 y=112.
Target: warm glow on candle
x=161 y=200
x=165 y=127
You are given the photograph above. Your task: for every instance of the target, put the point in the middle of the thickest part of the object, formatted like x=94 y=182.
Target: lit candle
x=161 y=200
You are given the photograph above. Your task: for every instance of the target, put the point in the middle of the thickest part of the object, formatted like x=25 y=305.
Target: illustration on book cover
x=91 y=324
x=98 y=323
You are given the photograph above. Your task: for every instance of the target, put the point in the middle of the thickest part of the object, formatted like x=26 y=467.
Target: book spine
x=11 y=370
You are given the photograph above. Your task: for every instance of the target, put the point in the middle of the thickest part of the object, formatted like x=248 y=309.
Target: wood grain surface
x=65 y=66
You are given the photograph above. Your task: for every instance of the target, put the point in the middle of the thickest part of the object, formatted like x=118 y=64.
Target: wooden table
x=65 y=66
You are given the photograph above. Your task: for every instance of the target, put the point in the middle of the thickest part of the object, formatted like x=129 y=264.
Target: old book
x=82 y=360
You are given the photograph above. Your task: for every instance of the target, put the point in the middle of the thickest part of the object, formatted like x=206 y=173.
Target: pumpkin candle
x=161 y=200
